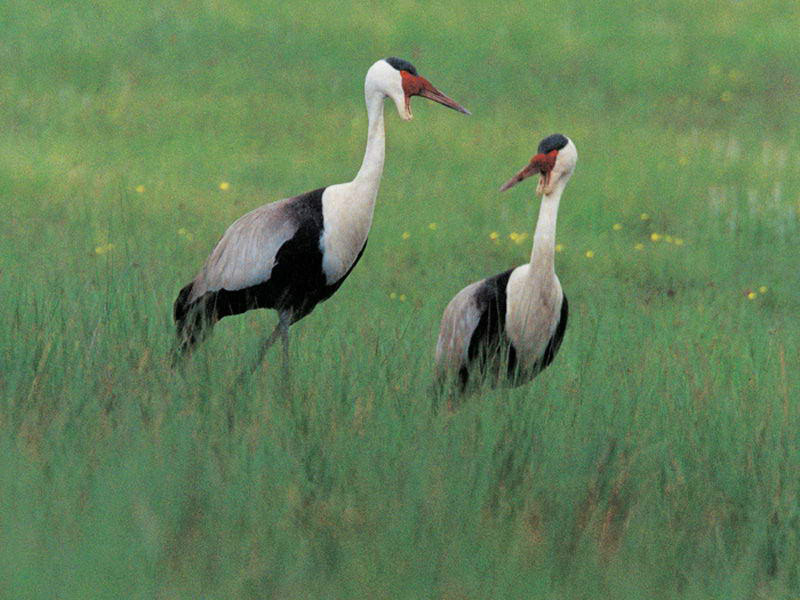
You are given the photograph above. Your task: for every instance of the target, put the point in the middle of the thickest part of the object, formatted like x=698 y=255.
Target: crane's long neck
x=369 y=175
x=347 y=208
x=544 y=238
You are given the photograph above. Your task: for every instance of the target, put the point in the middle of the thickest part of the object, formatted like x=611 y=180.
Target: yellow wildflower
x=104 y=249
x=678 y=241
x=751 y=295
x=513 y=236
x=559 y=247
x=402 y=297
x=405 y=235
x=644 y=217
x=494 y=235
x=616 y=226
x=668 y=239
x=589 y=254
x=139 y=189
x=224 y=186
x=763 y=289
x=639 y=246
x=392 y=296
x=655 y=237
x=433 y=226
x=521 y=238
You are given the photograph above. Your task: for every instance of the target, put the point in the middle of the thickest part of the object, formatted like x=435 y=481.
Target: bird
x=294 y=253
x=503 y=330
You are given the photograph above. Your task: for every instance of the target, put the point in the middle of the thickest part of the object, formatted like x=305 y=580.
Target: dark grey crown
x=552 y=142
x=401 y=65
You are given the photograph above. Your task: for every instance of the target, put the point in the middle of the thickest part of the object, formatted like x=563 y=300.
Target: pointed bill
x=431 y=93
x=530 y=169
x=415 y=85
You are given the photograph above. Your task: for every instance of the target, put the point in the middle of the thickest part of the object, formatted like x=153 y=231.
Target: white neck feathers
x=544 y=238
x=371 y=170
x=347 y=208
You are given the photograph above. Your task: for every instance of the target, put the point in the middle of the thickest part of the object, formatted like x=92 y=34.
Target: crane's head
x=554 y=161
x=398 y=79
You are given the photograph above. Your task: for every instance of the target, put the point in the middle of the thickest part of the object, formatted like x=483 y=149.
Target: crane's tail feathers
x=192 y=323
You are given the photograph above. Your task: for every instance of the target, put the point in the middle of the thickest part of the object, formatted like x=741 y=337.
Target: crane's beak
x=543 y=165
x=414 y=85
x=431 y=93
x=529 y=170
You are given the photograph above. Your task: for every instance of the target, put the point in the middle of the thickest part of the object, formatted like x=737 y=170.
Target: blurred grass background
x=658 y=456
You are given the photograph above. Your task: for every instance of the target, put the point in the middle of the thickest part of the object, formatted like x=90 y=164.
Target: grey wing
x=459 y=321
x=245 y=255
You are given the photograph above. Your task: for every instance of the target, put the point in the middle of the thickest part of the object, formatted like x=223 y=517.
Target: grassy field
x=659 y=457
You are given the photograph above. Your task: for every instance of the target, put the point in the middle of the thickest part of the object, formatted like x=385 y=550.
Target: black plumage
x=297 y=282
x=401 y=65
x=552 y=142
x=491 y=355
x=558 y=335
x=489 y=347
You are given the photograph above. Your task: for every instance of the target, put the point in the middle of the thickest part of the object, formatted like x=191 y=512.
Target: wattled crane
x=292 y=254
x=507 y=328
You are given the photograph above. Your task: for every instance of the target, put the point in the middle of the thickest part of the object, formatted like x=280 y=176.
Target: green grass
x=659 y=457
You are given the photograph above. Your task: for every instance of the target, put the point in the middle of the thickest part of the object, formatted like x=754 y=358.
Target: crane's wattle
x=545 y=163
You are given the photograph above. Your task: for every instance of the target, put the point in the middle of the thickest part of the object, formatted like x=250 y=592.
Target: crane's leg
x=284 y=321
x=281 y=330
x=285 y=340
x=266 y=345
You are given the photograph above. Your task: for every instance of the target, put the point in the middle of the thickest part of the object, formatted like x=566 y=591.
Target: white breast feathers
x=347 y=217
x=532 y=312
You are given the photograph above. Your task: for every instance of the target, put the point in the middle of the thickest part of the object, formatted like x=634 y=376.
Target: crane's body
x=292 y=254
x=293 y=280
x=505 y=329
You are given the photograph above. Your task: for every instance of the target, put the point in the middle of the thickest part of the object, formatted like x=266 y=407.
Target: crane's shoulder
x=473 y=311
x=464 y=298
x=492 y=289
x=459 y=320
x=477 y=296
x=297 y=209
x=247 y=251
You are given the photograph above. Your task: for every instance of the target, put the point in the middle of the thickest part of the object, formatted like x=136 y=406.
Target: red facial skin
x=545 y=162
x=414 y=84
